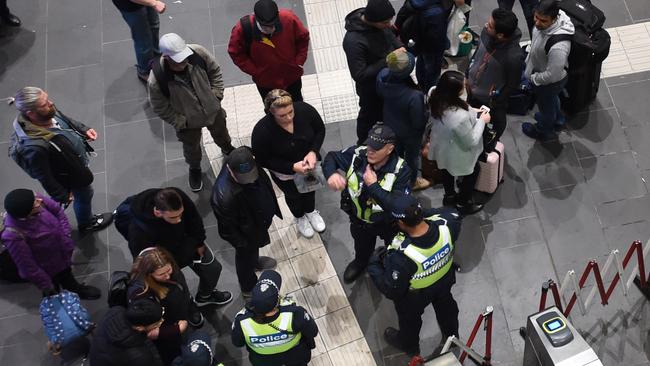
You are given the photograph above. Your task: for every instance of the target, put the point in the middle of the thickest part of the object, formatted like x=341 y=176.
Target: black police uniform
x=392 y=276
x=382 y=224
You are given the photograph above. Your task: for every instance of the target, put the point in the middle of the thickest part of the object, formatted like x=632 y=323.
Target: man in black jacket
x=168 y=218
x=366 y=43
x=121 y=337
x=244 y=203
x=496 y=67
x=54 y=149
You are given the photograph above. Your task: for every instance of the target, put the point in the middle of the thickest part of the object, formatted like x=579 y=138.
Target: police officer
x=416 y=270
x=366 y=175
x=275 y=330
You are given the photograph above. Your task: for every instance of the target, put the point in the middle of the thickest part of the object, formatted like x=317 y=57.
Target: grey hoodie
x=543 y=69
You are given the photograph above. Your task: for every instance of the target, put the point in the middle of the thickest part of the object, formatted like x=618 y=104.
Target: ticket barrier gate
x=552 y=341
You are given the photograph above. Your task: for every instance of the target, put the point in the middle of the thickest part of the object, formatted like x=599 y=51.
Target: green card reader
x=555 y=328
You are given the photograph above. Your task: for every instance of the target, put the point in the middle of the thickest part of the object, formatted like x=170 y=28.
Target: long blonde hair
x=146 y=263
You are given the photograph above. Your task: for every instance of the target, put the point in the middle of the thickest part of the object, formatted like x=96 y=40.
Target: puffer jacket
x=236 y=219
x=40 y=245
x=543 y=68
x=116 y=343
x=366 y=48
x=194 y=106
x=404 y=109
x=181 y=239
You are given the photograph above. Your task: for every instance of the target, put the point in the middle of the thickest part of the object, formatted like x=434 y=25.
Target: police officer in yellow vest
x=416 y=270
x=366 y=175
x=276 y=331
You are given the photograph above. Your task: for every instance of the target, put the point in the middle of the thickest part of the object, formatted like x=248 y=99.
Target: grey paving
x=560 y=205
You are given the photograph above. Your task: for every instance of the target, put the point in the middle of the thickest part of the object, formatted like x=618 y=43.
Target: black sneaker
x=469 y=208
x=196 y=183
x=449 y=200
x=196 y=320
x=215 y=298
x=86 y=292
x=99 y=222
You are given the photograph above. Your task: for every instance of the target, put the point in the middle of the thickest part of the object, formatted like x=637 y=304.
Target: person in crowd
x=417 y=270
x=185 y=90
x=121 y=336
x=53 y=149
x=404 y=110
x=156 y=277
x=142 y=18
x=6 y=17
x=528 y=6
x=244 y=203
x=429 y=33
x=456 y=140
x=271 y=46
x=287 y=141
x=167 y=217
x=366 y=175
x=547 y=70
x=274 y=329
x=37 y=235
x=495 y=70
x=367 y=42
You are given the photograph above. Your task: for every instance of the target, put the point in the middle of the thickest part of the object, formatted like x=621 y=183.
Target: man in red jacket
x=271 y=46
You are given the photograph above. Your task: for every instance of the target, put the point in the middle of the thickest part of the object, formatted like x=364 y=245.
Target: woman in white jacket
x=456 y=140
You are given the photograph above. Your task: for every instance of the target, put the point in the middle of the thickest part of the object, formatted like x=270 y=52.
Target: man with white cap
x=275 y=330
x=185 y=90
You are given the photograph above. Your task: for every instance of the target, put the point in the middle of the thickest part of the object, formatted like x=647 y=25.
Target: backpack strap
x=161 y=76
x=247 y=29
x=556 y=38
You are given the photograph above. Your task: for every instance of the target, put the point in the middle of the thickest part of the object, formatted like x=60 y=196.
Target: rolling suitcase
x=491 y=173
x=589 y=48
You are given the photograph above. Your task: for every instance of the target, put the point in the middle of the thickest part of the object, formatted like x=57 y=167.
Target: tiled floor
x=560 y=205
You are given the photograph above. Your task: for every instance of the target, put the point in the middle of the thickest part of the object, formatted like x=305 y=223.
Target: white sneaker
x=304 y=227
x=316 y=221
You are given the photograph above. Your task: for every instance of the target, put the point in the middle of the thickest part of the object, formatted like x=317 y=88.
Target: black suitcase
x=585 y=13
x=585 y=63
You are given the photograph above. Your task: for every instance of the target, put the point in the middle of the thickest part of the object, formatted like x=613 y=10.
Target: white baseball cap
x=173 y=46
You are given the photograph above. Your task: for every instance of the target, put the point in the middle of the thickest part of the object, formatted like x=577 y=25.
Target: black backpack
x=118 y=289
x=17 y=147
x=163 y=75
x=122 y=217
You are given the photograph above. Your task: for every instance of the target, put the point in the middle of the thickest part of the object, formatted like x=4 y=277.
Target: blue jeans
x=528 y=7
x=82 y=205
x=145 y=25
x=427 y=68
x=548 y=102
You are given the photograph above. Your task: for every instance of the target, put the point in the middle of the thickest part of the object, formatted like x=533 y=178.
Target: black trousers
x=411 y=306
x=299 y=203
x=246 y=259
x=294 y=89
x=365 y=238
x=65 y=280
x=4 y=10
x=466 y=184
x=370 y=111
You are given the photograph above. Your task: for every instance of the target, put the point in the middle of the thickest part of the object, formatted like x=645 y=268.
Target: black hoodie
x=147 y=230
x=366 y=48
x=116 y=343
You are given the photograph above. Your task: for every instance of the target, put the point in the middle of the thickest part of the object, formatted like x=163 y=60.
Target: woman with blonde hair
x=155 y=275
x=287 y=142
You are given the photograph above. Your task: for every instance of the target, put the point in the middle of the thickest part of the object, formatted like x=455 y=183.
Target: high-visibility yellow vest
x=355 y=185
x=271 y=338
x=433 y=263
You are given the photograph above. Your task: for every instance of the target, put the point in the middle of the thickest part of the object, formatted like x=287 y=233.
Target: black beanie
x=19 y=203
x=378 y=11
x=266 y=11
x=144 y=312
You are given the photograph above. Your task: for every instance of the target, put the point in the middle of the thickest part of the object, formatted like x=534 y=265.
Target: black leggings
x=466 y=185
x=299 y=203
